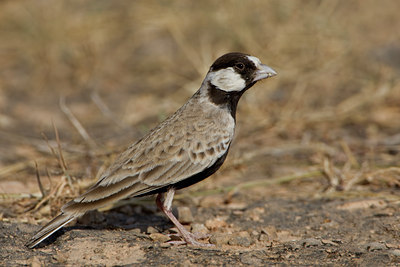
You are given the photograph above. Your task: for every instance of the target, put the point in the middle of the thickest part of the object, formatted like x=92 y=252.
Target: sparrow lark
x=186 y=148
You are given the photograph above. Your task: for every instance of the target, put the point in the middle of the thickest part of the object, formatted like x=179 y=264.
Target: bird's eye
x=239 y=66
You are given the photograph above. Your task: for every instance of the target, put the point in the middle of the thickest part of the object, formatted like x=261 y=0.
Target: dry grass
x=105 y=72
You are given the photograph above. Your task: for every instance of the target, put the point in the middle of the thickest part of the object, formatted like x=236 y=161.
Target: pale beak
x=263 y=72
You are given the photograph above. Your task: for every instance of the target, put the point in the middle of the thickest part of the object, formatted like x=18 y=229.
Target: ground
x=298 y=231
x=313 y=174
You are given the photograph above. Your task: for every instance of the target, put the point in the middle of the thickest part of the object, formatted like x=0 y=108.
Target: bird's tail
x=50 y=228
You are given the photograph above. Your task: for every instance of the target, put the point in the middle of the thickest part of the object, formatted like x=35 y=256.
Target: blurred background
x=100 y=74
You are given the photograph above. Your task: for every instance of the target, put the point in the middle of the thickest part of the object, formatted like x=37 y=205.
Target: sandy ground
x=263 y=231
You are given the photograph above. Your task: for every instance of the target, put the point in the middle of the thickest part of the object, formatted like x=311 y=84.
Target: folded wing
x=152 y=164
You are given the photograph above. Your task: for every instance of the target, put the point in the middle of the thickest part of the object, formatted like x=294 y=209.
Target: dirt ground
x=313 y=175
x=299 y=231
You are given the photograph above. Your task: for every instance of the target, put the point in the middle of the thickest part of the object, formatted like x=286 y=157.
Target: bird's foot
x=190 y=238
x=192 y=235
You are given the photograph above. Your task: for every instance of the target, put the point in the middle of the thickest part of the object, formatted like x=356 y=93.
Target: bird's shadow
x=115 y=219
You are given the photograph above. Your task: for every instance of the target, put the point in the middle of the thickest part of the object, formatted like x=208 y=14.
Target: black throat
x=226 y=99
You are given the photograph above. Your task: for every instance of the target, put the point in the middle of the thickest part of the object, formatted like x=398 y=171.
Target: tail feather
x=81 y=205
x=50 y=228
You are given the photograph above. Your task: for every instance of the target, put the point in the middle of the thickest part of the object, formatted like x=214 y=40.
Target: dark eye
x=239 y=66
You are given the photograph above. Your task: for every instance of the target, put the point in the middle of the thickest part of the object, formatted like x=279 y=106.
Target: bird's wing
x=164 y=157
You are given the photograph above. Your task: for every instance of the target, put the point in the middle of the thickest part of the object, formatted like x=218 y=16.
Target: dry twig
x=75 y=122
x=39 y=181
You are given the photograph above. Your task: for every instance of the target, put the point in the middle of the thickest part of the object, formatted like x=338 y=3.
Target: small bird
x=186 y=148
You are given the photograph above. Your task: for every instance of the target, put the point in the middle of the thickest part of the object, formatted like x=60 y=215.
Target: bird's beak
x=263 y=72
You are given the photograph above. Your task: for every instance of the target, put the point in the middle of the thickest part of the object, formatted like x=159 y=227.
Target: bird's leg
x=165 y=206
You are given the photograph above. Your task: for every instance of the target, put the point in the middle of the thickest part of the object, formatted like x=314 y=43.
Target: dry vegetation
x=102 y=73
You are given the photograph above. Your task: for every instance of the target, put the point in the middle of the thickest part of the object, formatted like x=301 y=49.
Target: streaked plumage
x=186 y=148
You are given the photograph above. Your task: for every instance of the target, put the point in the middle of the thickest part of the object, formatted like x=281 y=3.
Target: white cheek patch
x=228 y=80
x=255 y=60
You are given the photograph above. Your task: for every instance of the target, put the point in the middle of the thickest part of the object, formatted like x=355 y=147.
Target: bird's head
x=237 y=72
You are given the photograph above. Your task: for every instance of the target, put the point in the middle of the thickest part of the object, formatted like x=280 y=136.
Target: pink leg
x=165 y=206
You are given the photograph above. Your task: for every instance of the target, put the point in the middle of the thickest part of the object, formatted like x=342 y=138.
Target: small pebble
x=215 y=223
x=165 y=245
x=185 y=215
x=285 y=236
x=243 y=234
x=263 y=238
x=135 y=230
x=329 y=242
x=240 y=241
x=237 y=212
x=199 y=228
x=159 y=237
x=151 y=230
x=270 y=233
x=373 y=246
x=219 y=239
x=311 y=242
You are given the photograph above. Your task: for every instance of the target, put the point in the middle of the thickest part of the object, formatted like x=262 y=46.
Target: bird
x=184 y=149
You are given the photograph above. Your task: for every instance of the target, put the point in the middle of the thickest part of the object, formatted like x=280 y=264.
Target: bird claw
x=199 y=235
x=192 y=235
x=192 y=242
x=190 y=239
